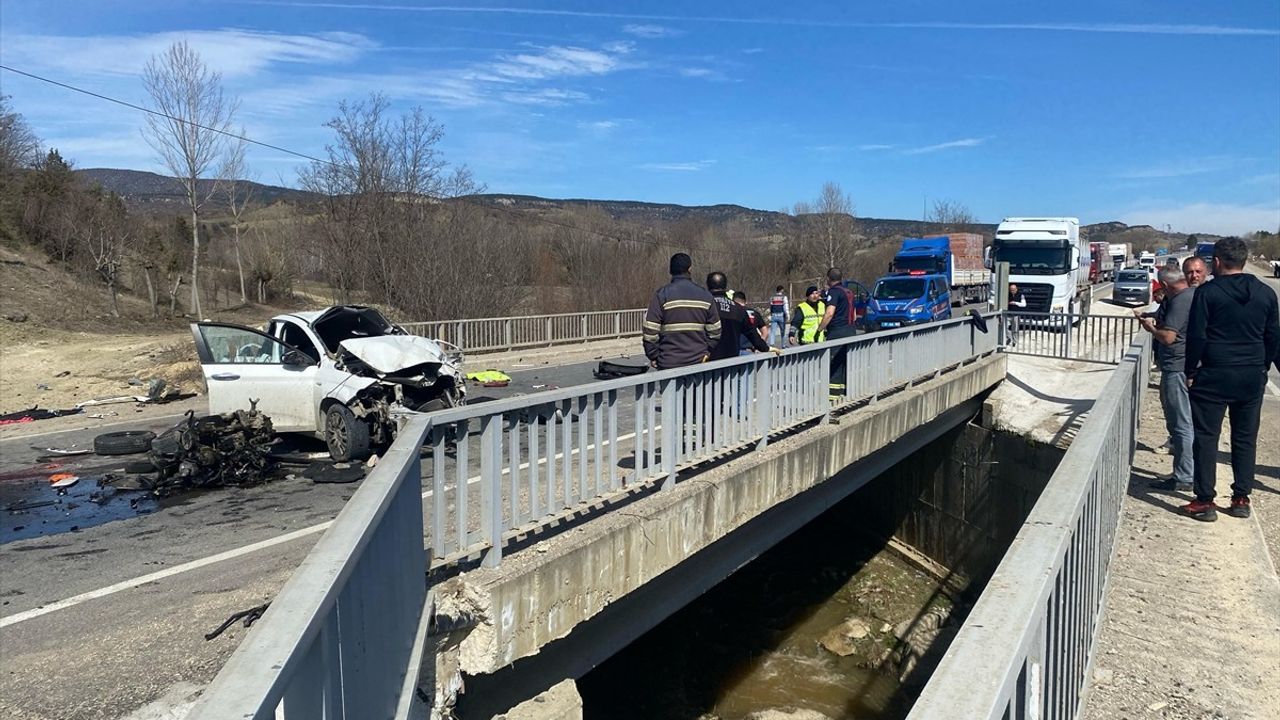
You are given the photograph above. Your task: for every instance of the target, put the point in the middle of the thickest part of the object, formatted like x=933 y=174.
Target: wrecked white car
x=345 y=374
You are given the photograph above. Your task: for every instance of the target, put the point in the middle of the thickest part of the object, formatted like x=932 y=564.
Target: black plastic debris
x=607 y=370
x=335 y=473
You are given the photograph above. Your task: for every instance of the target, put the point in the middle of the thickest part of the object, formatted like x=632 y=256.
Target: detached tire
x=128 y=442
x=346 y=435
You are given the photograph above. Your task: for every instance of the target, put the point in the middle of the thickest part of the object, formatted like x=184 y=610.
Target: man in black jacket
x=681 y=326
x=734 y=326
x=1232 y=336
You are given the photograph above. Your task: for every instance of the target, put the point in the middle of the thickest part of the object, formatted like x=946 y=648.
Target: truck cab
x=1048 y=261
x=908 y=299
x=1147 y=261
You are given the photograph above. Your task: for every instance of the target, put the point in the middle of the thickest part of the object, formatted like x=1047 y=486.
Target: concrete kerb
x=536 y=597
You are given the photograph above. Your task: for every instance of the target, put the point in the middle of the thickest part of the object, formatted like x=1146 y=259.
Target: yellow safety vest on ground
x=809 y=325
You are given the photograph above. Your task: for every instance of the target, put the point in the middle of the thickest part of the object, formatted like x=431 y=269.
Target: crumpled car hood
x=390 y=354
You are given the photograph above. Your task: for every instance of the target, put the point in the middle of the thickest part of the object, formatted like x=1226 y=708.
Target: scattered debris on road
x=249 y=617
x=60 y=452
x=125 y=442
x=33 y=414
x=63 y=480
x=607 y=370
x=490 y=378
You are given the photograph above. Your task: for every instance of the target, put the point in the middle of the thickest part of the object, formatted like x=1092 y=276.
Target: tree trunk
x=173 y=296
x=115 y=302
x=244 y=296
x=195 y=263
x=151 y=292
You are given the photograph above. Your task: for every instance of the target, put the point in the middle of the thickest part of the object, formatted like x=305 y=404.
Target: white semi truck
x=1048 y=261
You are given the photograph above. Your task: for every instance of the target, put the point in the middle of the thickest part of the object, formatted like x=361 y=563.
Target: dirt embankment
x=60 y=344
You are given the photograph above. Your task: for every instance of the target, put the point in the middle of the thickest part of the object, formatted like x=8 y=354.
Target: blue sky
x=1154 y=111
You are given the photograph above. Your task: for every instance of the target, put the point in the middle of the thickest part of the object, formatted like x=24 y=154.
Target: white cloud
x=1218 y=218
x=1264 y=179
x=875 y=146
x=1179 y=168
x=546 y=96
x=963 y=143
x=651 y=31
x=556 y=62
x=693 y=166
x=699 y=72
x=1124 y=28
x=753 y=51
x=234 y=53
x=599 y=126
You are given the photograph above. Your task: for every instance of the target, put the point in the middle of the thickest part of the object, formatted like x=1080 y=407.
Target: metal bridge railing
x=1089 y=338
x=339 y=640
x=514 y=333
x=1026 y=649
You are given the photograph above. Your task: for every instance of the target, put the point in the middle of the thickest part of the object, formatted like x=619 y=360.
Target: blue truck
x=909 y=298
x=958 y=257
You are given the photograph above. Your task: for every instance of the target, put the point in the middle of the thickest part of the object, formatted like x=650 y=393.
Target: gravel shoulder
x=1191 y=625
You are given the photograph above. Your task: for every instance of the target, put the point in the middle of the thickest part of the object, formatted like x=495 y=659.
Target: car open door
x=241 y=365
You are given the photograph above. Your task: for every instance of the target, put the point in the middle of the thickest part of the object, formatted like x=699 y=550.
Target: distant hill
x=156 y=193
x=152 y=192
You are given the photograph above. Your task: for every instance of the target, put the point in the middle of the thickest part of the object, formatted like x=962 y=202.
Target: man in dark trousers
x=733 y=321
x=837 y=323
x=1232 y=336
x=1168 y=327
x=681 y=326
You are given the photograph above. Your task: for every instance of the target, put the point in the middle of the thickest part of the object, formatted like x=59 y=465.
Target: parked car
x=345 y=374
x=1133 y=286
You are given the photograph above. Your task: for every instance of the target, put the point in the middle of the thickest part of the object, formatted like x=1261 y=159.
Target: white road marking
x=212 y=559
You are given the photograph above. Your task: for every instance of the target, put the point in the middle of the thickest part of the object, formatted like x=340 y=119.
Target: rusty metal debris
x=212 y=451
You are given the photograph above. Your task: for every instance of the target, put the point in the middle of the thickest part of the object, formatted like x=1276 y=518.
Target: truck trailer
x=1048 y=261
x=958 y=257
x=1101 y=267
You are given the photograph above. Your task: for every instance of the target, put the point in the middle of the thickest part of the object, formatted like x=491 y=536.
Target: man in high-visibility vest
x=807 y=317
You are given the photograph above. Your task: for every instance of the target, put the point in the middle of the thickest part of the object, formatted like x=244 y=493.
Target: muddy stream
x=828 y=622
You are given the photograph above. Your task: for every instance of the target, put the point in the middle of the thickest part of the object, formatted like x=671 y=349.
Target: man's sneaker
x=1202 y=510
x=1170 y=485
x=1239 y=507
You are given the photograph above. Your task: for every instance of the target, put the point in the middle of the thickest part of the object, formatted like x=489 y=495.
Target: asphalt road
x=97 y=621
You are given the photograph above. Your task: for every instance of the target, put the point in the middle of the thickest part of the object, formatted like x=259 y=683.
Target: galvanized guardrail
x=1026 y=649
x=1088 y=338
x=515 y=333
x=342 y=638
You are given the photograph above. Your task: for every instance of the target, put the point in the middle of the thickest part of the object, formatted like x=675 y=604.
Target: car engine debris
x=212 y=451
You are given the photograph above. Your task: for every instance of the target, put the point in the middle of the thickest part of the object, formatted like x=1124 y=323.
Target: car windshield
x=899 y=289
x=1032 y=259
x=1134 y=276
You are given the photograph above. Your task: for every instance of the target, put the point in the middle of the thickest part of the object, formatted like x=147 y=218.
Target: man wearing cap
x=807 y=317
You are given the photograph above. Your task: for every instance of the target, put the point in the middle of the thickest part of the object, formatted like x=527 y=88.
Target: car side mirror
x=297 y=358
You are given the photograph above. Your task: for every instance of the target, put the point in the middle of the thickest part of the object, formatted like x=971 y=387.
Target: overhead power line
x=304 y=156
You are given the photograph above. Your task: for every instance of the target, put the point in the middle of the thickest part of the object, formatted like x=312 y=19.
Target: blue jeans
x=1176 y=402
x=778 y=332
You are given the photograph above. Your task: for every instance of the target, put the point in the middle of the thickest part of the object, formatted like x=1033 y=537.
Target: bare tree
x=106 y=232
x=189 y=132
x=827 y=226
x=950 y=212
x=19 y=146
x=237 y=188
x=385 y=186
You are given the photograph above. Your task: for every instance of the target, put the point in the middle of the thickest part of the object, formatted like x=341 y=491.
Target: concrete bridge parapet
x=618 y=575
